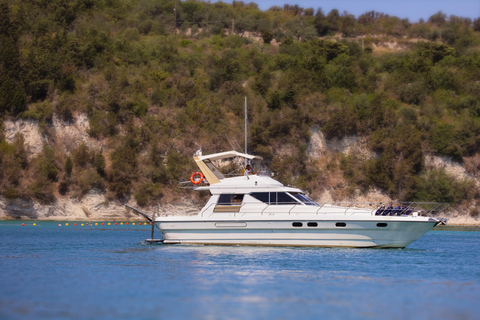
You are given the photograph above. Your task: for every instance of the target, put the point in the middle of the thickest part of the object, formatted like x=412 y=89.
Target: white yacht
x=255 y=209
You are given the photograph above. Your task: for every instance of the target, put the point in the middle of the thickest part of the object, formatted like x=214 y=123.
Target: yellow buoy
x=66 y=224
x=82 y=224
x=109 y=223
x=96 y=223
x=34 y=224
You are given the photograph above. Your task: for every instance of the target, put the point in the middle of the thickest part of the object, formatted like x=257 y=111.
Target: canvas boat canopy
x=211 y=173
x=228 y=154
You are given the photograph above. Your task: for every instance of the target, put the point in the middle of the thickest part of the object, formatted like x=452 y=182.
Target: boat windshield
x=304 y=199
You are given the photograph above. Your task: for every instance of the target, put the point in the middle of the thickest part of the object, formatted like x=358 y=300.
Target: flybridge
x=210 y=171
x=227 y=155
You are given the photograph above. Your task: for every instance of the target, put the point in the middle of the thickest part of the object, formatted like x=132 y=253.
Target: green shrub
x=68 y=166
x=131 y=34
x=342 y=123
x=443 y=139
x=147 y=193
x=87 y=179
x=41 y=111
x=42 y=191
x=11 y=193
x=438 y=186
x=82 y=156
x=99 y=164
x=103 y=124
x=184 y=43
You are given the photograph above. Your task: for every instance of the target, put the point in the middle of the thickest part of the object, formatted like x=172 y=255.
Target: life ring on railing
x=193 y=178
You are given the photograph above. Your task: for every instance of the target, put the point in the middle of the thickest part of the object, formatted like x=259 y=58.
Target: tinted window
x=284 y=198
x=312 y=224
x=262 y=196
x=381 y=224
x=230 y=199
x=340 y=224
x=274 y=198
x=297 y=224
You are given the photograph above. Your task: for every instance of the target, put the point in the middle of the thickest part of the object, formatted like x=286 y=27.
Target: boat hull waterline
x=355 y=234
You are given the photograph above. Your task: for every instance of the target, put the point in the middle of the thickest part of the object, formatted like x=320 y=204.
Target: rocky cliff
x=95 y=206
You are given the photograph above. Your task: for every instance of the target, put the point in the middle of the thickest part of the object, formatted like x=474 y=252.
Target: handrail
x=352 y=208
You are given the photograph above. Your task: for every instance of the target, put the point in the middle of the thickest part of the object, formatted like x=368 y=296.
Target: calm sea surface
x=103 y=272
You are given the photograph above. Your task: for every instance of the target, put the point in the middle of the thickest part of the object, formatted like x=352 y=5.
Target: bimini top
x=211 y=173
x=228 y=154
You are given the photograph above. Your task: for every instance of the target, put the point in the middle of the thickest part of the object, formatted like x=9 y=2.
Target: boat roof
x=247 y=184
x=228 y=154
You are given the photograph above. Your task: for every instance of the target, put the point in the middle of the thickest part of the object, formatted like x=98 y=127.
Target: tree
x=267 y=36
x=12 y=93
x=476 y=25
x=68 y=166
x=438 y=18
x=99 y=163
x=434 y=51
x=320 y=23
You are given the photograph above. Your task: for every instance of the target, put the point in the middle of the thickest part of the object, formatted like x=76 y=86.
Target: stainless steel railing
x=396 y=208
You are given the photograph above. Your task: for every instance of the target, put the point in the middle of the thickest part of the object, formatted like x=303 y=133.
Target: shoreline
x=463 y=222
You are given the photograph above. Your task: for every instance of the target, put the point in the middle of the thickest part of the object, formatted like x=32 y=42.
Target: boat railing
x=395 y=208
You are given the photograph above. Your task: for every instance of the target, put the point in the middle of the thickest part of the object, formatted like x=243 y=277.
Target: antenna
x=246 y=129
x=231 y=145
x=238 y=145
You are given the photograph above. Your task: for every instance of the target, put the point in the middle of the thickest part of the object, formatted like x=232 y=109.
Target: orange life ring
x=192 y=178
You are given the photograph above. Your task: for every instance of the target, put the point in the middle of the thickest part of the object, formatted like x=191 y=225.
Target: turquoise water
x=103 y=272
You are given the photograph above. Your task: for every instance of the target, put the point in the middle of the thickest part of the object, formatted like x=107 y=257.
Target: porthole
x=312 y=224
x=382 y=224
x=340 y=224
x=297 y=224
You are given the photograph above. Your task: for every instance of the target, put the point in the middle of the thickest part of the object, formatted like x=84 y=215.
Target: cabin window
x=274 y=198
x=285 y=198
x=312 y=224
x=297 y=224
x=261 y=196
x=382 y=224
x=340 y=224
x=230 y=199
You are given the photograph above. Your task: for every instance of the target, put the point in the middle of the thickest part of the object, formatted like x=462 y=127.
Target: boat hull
x=356 y=234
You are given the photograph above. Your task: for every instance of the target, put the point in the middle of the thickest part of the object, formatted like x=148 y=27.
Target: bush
x=103 y=124
x=443 y=139
x=438 y=186
x=342 y=123
x=68 y=166
x=45 y=167
x=412 y=93
x=41 y=112
x=82 y=156
x=147 y=193
x=42 y=191
x=87 y=179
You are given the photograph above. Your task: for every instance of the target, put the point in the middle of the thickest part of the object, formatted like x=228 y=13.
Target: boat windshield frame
x=304 y=199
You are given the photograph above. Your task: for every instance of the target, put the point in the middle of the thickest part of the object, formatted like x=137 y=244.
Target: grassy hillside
x=156 y=87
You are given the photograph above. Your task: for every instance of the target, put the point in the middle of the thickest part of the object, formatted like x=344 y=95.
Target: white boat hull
x=357 y=234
